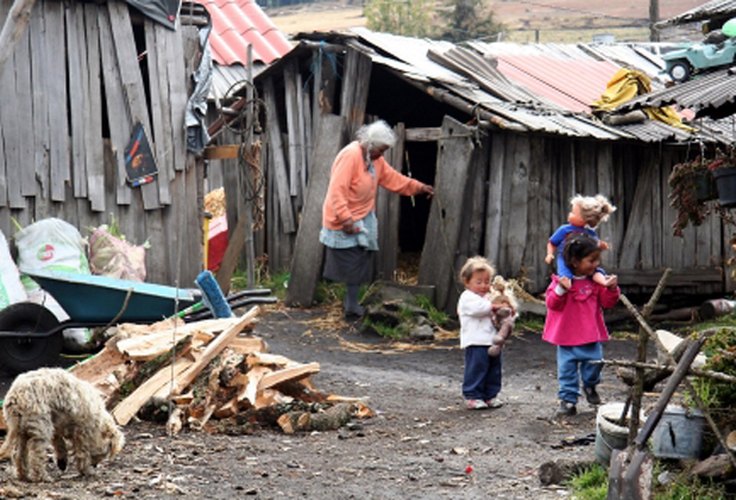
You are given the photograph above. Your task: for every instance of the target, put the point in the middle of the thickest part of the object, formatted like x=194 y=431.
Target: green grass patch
x=436 y=316
x=590 y=484
x=387 y=331
x=685 y=488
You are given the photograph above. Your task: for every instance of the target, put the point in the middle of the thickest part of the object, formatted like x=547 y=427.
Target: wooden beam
x=15 y=24
x=423 y=134
x=223 y=152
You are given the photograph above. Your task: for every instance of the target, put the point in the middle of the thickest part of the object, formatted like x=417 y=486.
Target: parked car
x=681 y=64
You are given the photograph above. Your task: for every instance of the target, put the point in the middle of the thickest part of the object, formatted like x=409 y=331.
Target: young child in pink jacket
x=574 y=322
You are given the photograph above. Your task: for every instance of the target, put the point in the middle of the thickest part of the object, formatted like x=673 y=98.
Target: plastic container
x=726 y=184
x=679 y=434
x=609 y=435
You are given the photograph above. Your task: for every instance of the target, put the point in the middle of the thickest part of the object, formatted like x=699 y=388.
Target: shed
x=80 y=78
x=505 y=141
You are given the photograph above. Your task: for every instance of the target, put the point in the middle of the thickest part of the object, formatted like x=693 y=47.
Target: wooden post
x=15 y=24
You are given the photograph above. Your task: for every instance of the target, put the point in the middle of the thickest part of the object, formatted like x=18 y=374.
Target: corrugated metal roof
x=543 y=88
x=715 y=8
x=705 y=95
x=238 y=23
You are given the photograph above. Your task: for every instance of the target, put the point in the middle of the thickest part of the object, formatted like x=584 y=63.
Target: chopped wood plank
x=100 y=370
x=213 y=349
x=270 y=397
x=248 y=345
x=152 y=346
x=286 y=374
x=127 y=408
x=306 y=263
x=264 y=358
x=250 y=390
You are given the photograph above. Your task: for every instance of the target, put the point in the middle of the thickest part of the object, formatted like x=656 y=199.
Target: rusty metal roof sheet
x=713 y=95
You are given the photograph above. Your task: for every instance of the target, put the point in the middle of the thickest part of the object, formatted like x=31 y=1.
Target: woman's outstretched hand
x=427 y=189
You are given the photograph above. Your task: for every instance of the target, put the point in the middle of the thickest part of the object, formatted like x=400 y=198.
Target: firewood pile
x=217 y=377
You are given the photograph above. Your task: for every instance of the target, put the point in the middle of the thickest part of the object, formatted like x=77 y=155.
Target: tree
x=401 y=17
x=453 y=20
x=469 y=20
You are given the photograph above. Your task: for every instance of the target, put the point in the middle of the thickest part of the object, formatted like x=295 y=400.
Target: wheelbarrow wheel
x=20 y=354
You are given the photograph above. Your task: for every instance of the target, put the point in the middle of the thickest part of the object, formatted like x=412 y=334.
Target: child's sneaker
x=475 y=404
x=566 y=409
x=591 y=395
x=494 y=403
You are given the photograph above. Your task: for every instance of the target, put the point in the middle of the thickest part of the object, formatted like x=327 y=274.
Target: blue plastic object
x=212 y=295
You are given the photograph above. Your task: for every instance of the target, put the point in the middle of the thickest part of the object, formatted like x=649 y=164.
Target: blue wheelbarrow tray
x=91 y=299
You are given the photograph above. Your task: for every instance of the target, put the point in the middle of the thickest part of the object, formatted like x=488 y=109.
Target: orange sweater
x=352 y=189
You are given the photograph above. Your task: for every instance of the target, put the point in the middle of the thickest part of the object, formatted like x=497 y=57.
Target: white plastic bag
x=11 y=288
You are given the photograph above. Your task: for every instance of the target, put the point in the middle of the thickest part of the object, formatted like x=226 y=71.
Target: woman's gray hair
x=376 y=134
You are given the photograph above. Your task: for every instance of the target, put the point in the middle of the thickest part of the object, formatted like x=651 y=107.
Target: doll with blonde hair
x=586 y=213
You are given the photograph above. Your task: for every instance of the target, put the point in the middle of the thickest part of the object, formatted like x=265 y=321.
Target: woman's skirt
x=352 y=266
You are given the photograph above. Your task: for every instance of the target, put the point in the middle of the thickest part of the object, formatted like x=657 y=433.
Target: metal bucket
x=679 y=434
x=609 y=435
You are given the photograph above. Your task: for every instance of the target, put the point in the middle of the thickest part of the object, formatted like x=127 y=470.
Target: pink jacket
x=576 y=317
x=351 y=193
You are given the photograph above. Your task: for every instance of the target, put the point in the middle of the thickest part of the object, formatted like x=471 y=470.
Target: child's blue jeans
x=482 y=378
x=573 y=364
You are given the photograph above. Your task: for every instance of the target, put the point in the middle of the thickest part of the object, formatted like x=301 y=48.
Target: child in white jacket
x=482 y=378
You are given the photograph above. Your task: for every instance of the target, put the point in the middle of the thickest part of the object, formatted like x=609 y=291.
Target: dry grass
x=561 y=21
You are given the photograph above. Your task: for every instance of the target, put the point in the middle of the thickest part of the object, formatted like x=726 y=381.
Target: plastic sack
x=11 y=288
x=51 y=244
x=114 y=257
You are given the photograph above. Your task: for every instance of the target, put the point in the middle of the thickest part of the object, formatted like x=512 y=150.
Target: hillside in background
x=525 y=20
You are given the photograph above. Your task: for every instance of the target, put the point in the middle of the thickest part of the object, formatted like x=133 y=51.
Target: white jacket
x=474 y=313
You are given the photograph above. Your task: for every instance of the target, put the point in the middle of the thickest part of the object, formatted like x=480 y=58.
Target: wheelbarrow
x=31 y=336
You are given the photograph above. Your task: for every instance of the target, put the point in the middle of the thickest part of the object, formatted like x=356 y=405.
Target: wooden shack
x=79 y=79
x=503 y=184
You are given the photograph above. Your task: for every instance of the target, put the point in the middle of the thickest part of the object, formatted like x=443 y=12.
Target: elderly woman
x=349 y=224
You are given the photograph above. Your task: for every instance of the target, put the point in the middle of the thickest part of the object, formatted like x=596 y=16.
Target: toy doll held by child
x=482 y=374
x=586 y=212
x=574 y=322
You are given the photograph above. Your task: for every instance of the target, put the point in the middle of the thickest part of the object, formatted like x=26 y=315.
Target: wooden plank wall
x=68 y=168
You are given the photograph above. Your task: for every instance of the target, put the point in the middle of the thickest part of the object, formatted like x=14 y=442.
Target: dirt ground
x=422 y=442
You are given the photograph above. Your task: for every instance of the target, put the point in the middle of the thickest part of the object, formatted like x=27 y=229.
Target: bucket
x=609 y=435
x=679 y=434
x=726 y=184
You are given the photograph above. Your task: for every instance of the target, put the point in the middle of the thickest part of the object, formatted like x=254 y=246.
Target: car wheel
x=20 y=354
x=680 y=71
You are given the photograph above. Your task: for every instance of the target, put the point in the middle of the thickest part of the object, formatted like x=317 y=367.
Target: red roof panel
x=571 y=83
x=238 y=23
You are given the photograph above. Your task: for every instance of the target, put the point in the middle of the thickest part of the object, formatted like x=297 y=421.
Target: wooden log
x=723 y=377
x=213 y=349
x=331 y=419
x=714 y=467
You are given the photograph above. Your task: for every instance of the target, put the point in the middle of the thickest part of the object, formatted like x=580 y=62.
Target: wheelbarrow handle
x=669 y=389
